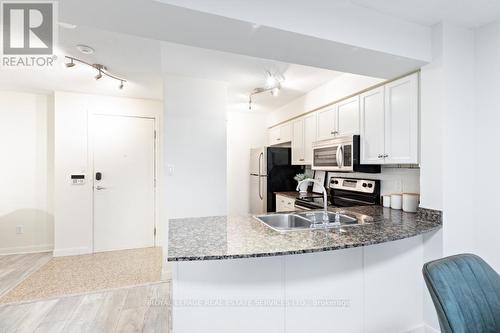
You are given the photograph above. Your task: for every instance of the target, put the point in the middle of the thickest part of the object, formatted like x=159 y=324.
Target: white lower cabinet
x=371 y=289
x=284 y=204
x=389 y=123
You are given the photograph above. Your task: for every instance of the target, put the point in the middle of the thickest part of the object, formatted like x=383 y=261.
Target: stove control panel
x=356 y=185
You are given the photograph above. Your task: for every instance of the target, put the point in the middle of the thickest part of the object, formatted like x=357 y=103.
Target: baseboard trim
x=27 y=249
x=74 y=251
x=424 y=328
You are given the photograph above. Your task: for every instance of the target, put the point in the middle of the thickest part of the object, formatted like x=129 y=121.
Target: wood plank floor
x=134 y=309
x=16 y=267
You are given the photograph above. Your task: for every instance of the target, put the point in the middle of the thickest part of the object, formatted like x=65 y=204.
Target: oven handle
x=302 y=207
x=354 y=200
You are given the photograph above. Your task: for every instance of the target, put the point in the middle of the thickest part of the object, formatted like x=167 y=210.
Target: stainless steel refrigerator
x=271 y=171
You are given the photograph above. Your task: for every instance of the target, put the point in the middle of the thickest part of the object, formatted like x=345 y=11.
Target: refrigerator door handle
x=260 y=173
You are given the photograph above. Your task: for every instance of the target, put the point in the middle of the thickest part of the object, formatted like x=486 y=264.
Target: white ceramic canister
x=396 y=201
x=386 y=200
x=410 y=202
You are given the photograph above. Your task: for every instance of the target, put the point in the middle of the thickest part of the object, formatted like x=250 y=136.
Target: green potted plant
x=305 y=185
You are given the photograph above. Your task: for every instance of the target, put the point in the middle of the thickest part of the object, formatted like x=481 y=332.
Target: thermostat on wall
x=78 y=179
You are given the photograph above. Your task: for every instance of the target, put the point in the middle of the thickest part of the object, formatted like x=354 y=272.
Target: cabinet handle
x=301 y=159
x=386 y=155
x=278 y=139
x=332 y=132
x=380 y=156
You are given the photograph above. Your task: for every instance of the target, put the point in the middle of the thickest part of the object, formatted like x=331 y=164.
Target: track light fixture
x=101 y=70
x=272 y=85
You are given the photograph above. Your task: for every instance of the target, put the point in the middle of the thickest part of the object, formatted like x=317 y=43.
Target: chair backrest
x=466 y=293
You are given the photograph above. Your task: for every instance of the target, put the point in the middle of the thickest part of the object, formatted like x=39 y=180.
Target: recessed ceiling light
x=85 y=49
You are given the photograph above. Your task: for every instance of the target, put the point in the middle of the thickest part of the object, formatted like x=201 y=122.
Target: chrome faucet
x=325 y=198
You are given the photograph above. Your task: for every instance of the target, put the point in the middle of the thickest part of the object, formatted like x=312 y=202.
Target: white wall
x=195 y=147
x=73 y=204
x=245 y=130
x=340 y=87
x=448 y=122
x=486 y=221
x=26 y=172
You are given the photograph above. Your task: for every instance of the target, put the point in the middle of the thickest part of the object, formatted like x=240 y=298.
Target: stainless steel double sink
x=305 y=220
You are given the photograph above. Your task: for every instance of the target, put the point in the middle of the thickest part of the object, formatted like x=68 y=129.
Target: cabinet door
x=327 y=123
x=298 y=142
x=274 y=135
x=401 y=121
x=372 y=126
x=348 y=116
x=285 y=132
x=280 y=203
x=310 y=129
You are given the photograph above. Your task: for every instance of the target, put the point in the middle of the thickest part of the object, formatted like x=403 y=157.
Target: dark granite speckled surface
x=230 y=237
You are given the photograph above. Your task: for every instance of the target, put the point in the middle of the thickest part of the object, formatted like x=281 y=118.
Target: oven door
x=327 y=157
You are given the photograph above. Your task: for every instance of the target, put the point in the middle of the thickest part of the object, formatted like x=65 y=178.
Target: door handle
x=261 y=196
x=99 y=188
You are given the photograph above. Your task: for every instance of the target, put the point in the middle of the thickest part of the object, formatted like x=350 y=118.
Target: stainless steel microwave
x=340 y=154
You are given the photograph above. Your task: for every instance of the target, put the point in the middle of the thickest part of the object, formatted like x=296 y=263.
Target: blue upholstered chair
x=466 y=293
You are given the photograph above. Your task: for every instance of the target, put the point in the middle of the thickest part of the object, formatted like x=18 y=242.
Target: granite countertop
x=230 y=237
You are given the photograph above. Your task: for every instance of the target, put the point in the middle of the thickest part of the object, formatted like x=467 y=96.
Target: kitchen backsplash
x=393 y=179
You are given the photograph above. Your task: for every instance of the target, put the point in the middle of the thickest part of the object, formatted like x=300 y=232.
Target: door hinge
x=155 y=135
x=154 y=231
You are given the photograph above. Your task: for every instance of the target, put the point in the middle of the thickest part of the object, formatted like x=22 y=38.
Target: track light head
x=99 y=75
x=121 y=85
x=70 y=64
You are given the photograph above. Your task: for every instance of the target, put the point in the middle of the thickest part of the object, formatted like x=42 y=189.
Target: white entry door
x=124 y=185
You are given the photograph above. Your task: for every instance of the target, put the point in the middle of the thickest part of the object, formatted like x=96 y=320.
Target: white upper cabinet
x=280 y=134
x=327 y=123
x=298 y=142
x=286 y=132
x=348 y=116
x=310 y=135
x=401 y=121
x=389 y=123
x=303 y=136
x=372 y=126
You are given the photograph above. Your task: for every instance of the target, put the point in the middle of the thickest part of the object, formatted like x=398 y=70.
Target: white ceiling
x=139 y=61
x=242 y=74
x=468 y=13
x=136 y=59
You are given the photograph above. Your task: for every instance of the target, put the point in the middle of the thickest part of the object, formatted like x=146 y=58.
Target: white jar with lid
x=410 y=202
x=396 y=201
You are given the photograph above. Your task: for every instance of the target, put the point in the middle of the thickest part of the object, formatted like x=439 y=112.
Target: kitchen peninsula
x=349 y=279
